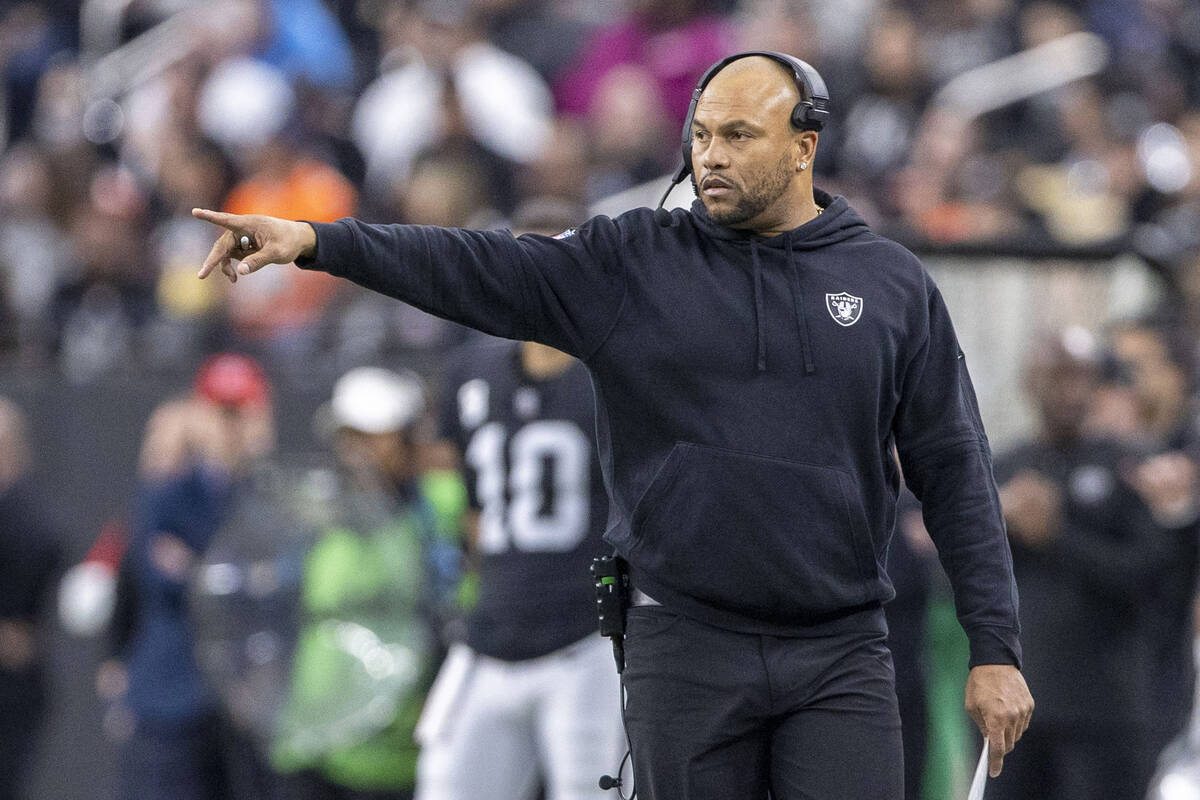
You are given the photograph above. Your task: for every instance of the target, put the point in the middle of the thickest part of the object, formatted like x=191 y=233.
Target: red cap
x=232 y=379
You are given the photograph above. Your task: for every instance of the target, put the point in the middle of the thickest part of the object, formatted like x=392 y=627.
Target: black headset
x=810 y=114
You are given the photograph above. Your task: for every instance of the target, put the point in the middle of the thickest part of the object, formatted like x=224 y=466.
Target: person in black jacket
x=1156 y=370
x=754 y=359
x=1088 y=554
x=30 y=558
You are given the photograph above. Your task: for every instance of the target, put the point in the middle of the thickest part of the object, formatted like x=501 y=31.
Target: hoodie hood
x=837 y=222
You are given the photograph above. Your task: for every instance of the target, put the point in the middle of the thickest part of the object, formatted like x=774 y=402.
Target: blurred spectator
x=165 y=113
x=1087 y=194
x=162 y=143
x=32 y=35
x=324 y=122
x=58 y=110
x=99 y=313
x=284 y=314
x=307 y=42
x=34 y=255
x=877 y=121
x=1085 y=552
x=786 y=26
x=1154 y=361
x=443 y=84
x=1176 y=220
x=667 y=43
x=194 y=451
x=562 y=169
x=29 y=559
x=536 y=31
x=632 y=83
x=371 y=571
x=952 y=189
x=959 y=36
x=1168 y=480
x=1036 y=129
x=1155 y=47
x=192 y=172
x=628 y=129
x=443 y=189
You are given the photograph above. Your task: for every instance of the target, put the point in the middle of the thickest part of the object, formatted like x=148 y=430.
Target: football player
x=530 y=697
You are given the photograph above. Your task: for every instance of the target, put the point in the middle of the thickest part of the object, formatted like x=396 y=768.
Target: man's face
x=379 y=454
x=744 y=151
x=1064 y=390
x=230 y=436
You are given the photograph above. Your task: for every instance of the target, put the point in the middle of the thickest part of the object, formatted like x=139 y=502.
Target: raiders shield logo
x=844 y=308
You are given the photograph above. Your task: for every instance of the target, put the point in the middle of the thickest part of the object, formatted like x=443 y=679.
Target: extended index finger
x=996 y=750
x=218 y=256
x=217 y=217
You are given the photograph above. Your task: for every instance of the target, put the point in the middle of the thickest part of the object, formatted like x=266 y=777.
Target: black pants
x=718 y=715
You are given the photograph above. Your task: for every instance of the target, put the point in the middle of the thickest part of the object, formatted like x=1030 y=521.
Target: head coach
x=757 y=359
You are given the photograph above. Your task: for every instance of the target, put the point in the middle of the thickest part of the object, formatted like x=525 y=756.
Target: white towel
x=981 y=775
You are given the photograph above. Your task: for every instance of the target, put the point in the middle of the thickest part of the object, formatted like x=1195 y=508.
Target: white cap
x=376 y=400
x=87 y=596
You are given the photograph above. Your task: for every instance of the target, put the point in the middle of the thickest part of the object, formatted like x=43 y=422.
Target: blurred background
x=1043 y=158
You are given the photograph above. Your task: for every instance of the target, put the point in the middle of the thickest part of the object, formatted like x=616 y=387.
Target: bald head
x=751 y=165
x=1062 y=376
x=756 y=80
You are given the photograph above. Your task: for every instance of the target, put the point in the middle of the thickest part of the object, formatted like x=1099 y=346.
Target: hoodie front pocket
x=761 y=536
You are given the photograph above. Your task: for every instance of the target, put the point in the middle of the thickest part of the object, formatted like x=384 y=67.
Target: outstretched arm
x=565 y=291
x=254 y=240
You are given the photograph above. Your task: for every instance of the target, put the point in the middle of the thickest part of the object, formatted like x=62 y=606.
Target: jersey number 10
x=545 y=457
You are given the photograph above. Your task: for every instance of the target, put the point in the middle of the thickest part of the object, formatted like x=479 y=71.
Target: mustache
x=716 y=181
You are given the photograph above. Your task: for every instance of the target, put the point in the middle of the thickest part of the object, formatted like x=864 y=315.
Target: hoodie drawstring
x=801 y=317
x=758 y=307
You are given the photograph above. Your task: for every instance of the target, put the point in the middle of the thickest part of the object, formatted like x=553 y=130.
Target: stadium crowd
x=478 y=113
x=454 y=112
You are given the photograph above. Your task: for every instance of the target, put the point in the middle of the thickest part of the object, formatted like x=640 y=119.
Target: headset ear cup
x=806 y=117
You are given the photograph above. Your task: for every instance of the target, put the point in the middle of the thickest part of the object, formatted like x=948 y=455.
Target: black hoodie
x=749 y=392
